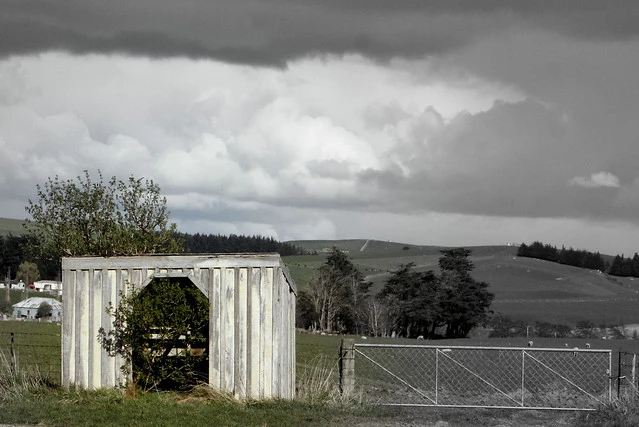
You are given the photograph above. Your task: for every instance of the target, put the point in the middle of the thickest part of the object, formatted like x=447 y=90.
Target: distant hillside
x=11 y=226
x=524 y=288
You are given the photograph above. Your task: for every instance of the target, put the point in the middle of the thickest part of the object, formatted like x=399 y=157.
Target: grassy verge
x=109 y=407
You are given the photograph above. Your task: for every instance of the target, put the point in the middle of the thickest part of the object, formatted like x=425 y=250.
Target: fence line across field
x=20 y=355
x=478 y=376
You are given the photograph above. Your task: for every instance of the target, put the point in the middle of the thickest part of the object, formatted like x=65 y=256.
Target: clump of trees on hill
x=576 y=258
x=625 y=267
x=410 y=304
x=621 y=266
x=209 y=243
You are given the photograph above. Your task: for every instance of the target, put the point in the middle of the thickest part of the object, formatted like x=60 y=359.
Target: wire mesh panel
x=483 y=376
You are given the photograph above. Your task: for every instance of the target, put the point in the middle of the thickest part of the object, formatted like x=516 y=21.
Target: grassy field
x=77 y=407
x=35 y=344
x=16 y=295
x=524 y=288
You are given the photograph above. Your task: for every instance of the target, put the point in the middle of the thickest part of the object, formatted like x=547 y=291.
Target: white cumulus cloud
x=596 y=180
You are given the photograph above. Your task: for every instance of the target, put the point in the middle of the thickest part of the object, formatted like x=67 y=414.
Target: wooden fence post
x=13 y=356
x=347 y=366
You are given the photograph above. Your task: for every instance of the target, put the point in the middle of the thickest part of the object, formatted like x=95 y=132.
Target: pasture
x=525 y=288
x=39 y=342
x=77 y=407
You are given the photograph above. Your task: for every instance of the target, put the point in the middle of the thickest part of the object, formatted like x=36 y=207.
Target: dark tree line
x=621 y=266
x=11 y=254
x=16 y=249
x=216 y=243
x=625 y=267
x=505 y=327
x=410 y=304
x=573 y=257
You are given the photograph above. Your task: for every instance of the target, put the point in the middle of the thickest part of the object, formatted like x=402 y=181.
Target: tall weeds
x=318 y=383
x=16 y=383
x=622 y=411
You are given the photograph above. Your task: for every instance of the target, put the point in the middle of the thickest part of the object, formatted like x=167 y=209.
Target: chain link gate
x=482 y=377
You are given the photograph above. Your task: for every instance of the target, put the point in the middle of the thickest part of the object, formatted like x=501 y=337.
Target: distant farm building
x=251 y=345
x=51 y=286
x=28 y=309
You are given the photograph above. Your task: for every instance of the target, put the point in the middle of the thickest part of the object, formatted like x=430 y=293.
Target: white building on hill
x=28 y=309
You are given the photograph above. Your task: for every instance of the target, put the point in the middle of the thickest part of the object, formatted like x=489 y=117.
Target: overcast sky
x=436 y=123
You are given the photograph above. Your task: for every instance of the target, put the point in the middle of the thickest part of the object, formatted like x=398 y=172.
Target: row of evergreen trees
x=233 y=243
x=621 y=266
x=625 y=267
x=15 y=249
x=574 y=257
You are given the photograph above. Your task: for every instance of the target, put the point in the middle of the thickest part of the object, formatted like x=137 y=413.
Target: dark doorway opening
x=172 y=317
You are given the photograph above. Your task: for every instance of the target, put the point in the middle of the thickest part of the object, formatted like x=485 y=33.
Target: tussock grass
x=318 y=383
x=204 y=393
x=16 y=383
x=623 y=411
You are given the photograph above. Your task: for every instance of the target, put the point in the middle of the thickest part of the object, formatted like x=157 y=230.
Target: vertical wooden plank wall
x=251 y=319
x=241 y=333
x=254 y=333
x=215 y=347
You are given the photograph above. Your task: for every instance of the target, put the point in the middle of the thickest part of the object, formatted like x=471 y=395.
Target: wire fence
x=491 y=377
x=37 y=351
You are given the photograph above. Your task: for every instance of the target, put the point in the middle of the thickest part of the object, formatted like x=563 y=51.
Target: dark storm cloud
x=517 y=159
x=272 y=32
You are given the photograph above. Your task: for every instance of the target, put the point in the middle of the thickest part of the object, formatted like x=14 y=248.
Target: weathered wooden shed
x=251 y=317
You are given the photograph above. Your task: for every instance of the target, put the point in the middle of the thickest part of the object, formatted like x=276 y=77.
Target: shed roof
x=35 y=302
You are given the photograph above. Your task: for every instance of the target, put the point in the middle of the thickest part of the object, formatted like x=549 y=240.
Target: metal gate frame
x=442 y=354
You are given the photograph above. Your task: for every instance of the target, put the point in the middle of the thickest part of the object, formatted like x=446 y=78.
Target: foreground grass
x=29 y=401
x=110 y=407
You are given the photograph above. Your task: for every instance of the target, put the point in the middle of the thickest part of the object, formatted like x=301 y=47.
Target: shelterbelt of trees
x=210 y=243
x=621 y=266
x=411 y=303
x=14 y=250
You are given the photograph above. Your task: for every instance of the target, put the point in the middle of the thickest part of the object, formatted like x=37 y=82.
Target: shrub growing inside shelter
x=162 y=333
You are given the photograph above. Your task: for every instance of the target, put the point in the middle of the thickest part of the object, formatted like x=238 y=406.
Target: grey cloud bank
x=429 y=122
x=273 y=32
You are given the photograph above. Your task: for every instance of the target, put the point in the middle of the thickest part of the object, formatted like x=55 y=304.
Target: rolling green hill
x=524 y=288
x=11 y=226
